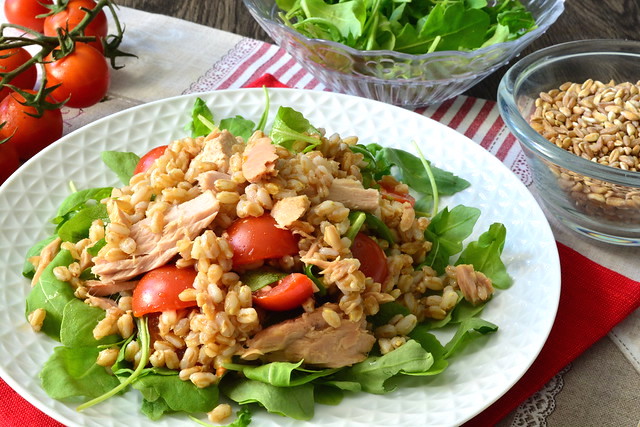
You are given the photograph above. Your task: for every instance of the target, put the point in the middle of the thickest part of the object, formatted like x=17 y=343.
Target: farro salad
x=274 y=270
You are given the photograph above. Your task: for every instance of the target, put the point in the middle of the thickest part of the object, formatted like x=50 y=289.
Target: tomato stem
x=63 y=43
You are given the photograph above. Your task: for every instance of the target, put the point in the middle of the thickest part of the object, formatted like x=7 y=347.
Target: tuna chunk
x=218 y=149
x=153 y=250
x=101 y=289
x=207 y=180
x=353 y=195
x=259 y=159
x=290 y=209
x=311 y=338
x=474 y=285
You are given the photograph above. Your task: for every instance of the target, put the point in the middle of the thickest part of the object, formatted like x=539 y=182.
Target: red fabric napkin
x=587 y=287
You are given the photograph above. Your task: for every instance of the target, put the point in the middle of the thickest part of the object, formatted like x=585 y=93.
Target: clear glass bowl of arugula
x=410 y=54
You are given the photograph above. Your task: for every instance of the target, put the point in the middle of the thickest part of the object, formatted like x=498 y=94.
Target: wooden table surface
x=582 y=19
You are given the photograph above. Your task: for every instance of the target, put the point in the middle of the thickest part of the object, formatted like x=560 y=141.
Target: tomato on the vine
x=11 y=59
x=28 y=134
x=147 y=160
x=9 y=161
x=373 y=261
x=258 y=238
x=70 y=17
x=83 y=76
x=158 y=290
x=25 y=12
x=288 y=293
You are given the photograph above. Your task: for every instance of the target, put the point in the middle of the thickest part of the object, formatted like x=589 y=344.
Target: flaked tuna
x=153 y=250
x=259 y=159
x=353 y=195
x=310 y=338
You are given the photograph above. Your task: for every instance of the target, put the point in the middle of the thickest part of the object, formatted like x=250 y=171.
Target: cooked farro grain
x=220 y=317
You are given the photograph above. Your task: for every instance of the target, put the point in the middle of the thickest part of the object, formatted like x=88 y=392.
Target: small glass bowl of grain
x=575 y=109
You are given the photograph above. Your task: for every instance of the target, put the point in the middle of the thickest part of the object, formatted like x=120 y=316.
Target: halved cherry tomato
x=147 y=160
x=70 y=17
x=389 y=191
x=28 y=134
x=373 y=261
x=9 y=161
x=83 y=76
x=11 y=59
x=24 y=12
x=258 y=238
x=158 y=290
x=288 y=293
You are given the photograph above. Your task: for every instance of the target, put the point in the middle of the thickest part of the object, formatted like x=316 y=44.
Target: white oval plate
x=475 y=379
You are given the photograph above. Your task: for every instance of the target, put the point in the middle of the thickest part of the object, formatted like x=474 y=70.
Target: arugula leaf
x=73 y=372
x=259 y=278
x=347 y=17
x=295 y=402
x=197 y=127
x=168 y=393
x=416 y=26
x=77 y=227
x=238 y=126
x=373 y=372
x=280 y=374
x=412 y=172
x=387 y=311
x=122 y=163
x=485 y=253
x=356 y=221
x=327 y=395
x=78 y=200
x=52 y=295
x=78 y=322
x=28 y=269
x=468 y=330
x=143 y=335
x=446 y=231
x=311 y=274
x=293 y=131
x=95 y=248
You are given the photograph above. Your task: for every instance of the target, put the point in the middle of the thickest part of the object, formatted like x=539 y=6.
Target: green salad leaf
x=164 y=394
x=409 y=26
x=446 y=231
x=296 y=402
x=52 y=295
x=485 y=253
x=73 y=372
x=28 y=269
x=293 y=131
x=122 y=163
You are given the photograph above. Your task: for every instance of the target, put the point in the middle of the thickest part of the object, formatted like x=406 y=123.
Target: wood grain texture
x=582 y=19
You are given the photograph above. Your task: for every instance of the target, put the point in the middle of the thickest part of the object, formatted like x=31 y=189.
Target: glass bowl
x=397 y=78
x=593 y=199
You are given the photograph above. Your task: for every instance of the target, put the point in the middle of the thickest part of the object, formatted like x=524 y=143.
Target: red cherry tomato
x=288 y=293
x=9 y=161
x=24 y=12
x=389 y=191
x=11 y=59
x=70 y=17
x=83 y=76
x=373 y=261
x=258 y=238
x=147 y=160
x=28 y=134
x=158 y=290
